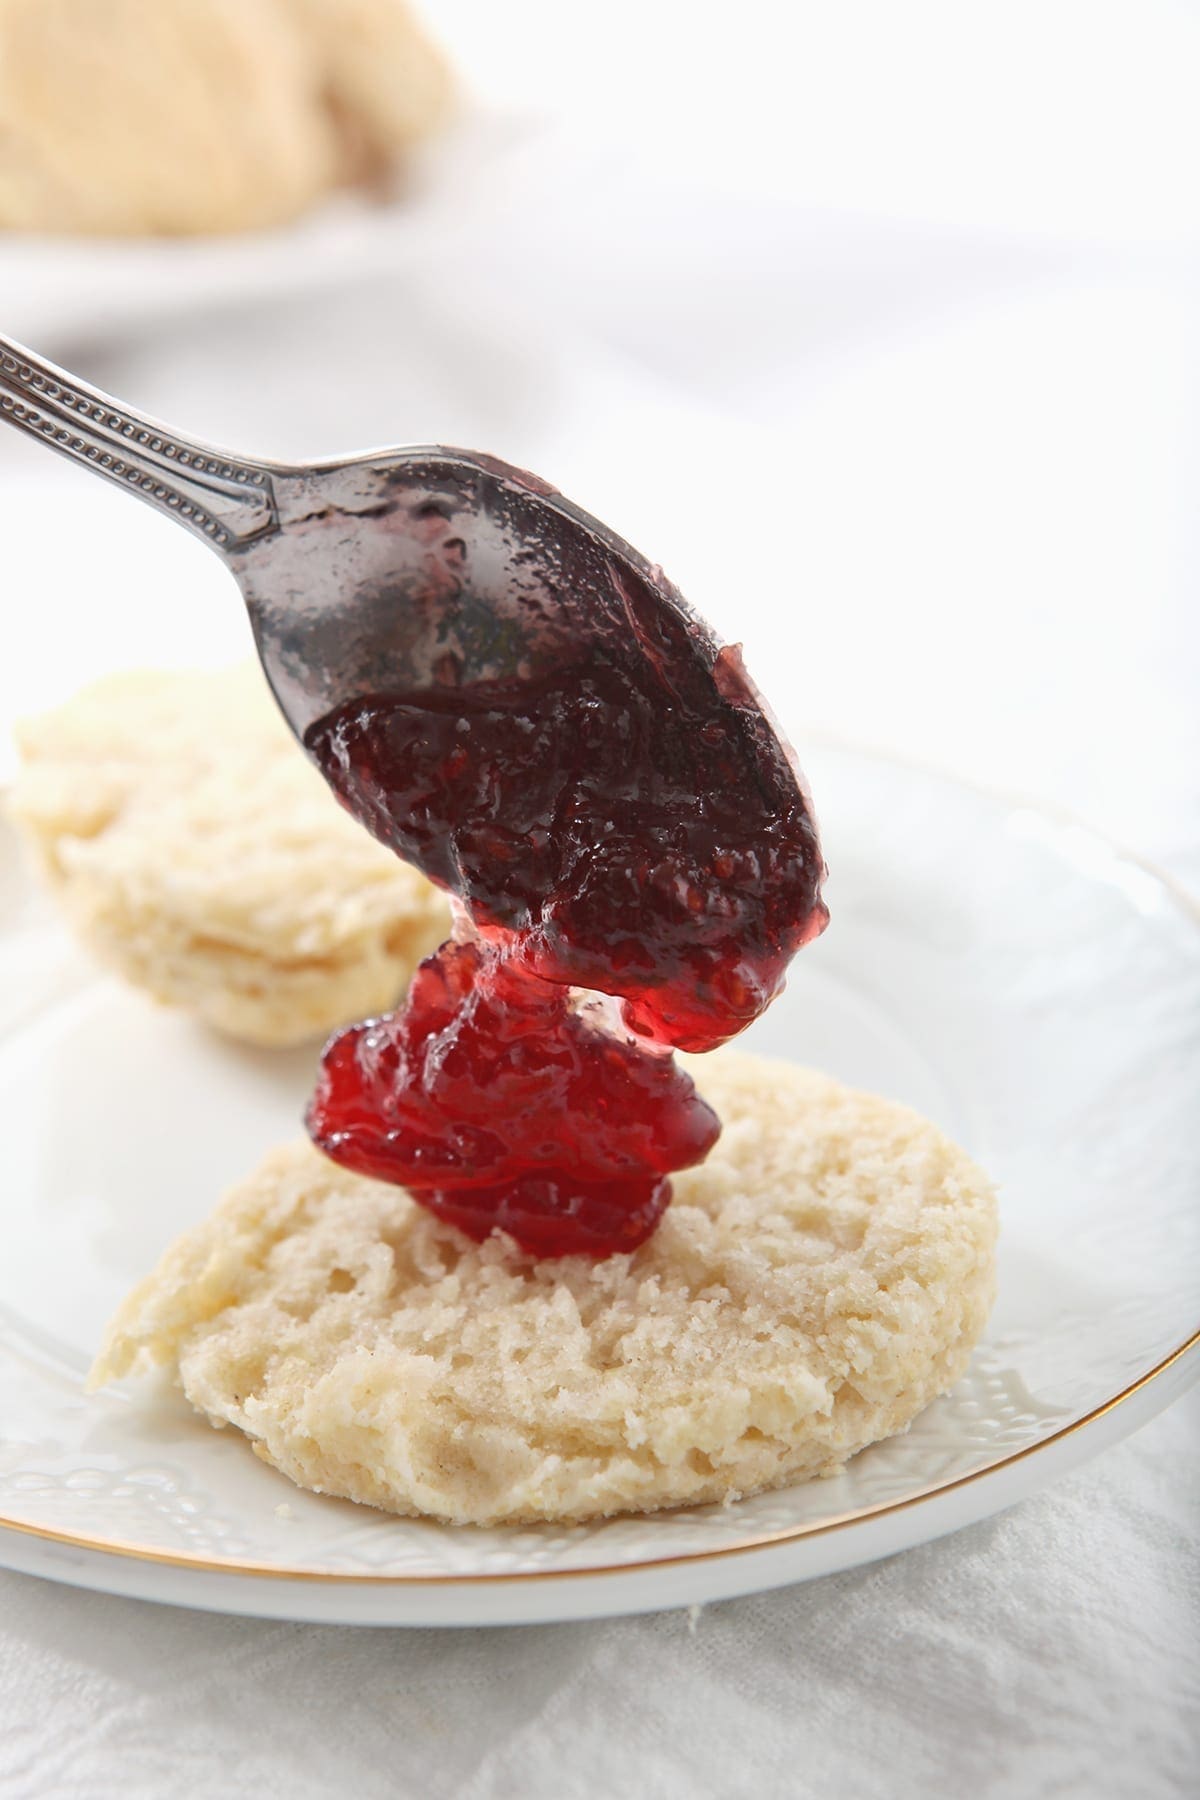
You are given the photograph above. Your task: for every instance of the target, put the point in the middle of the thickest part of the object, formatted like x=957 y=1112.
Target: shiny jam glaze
x=614 y=829
x=496 y=1102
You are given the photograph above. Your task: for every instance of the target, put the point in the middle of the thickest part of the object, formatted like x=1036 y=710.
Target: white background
x=877 y=326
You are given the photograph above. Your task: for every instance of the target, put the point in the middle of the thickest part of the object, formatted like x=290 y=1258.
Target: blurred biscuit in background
x=198 y=853
x=192 y=116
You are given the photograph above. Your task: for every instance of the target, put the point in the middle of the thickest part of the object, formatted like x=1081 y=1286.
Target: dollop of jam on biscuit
x=497 y=1102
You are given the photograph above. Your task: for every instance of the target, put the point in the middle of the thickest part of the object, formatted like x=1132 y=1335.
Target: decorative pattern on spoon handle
x=228 y=502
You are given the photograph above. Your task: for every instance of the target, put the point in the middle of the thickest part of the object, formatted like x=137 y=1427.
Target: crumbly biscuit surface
x=198 y=853
x=812 y=1287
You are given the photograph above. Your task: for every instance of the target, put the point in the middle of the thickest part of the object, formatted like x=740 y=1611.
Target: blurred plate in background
x=58 y=291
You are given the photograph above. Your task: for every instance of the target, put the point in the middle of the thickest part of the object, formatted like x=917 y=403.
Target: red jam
x=496 y=1103
x=618 y=816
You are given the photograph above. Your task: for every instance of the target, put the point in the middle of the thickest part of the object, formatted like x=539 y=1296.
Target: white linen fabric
x=878 y=327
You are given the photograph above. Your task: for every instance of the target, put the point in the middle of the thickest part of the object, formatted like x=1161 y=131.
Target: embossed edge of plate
x=758 y=1541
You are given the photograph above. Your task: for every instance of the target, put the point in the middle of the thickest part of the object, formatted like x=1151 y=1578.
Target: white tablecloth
x=1046 y=1654
x=882 y=315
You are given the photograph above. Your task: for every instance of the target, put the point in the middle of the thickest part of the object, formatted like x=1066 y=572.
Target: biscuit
x=819 y=1280
x=159 y=116
x=199 y=854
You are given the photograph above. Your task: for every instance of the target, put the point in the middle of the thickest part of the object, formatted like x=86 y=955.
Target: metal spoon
x=626 y=806
x=391 y=570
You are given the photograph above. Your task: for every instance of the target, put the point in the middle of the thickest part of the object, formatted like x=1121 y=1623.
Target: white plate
x=1007 y=972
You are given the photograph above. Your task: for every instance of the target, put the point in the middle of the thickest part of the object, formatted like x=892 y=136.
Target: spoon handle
x=227 y=502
